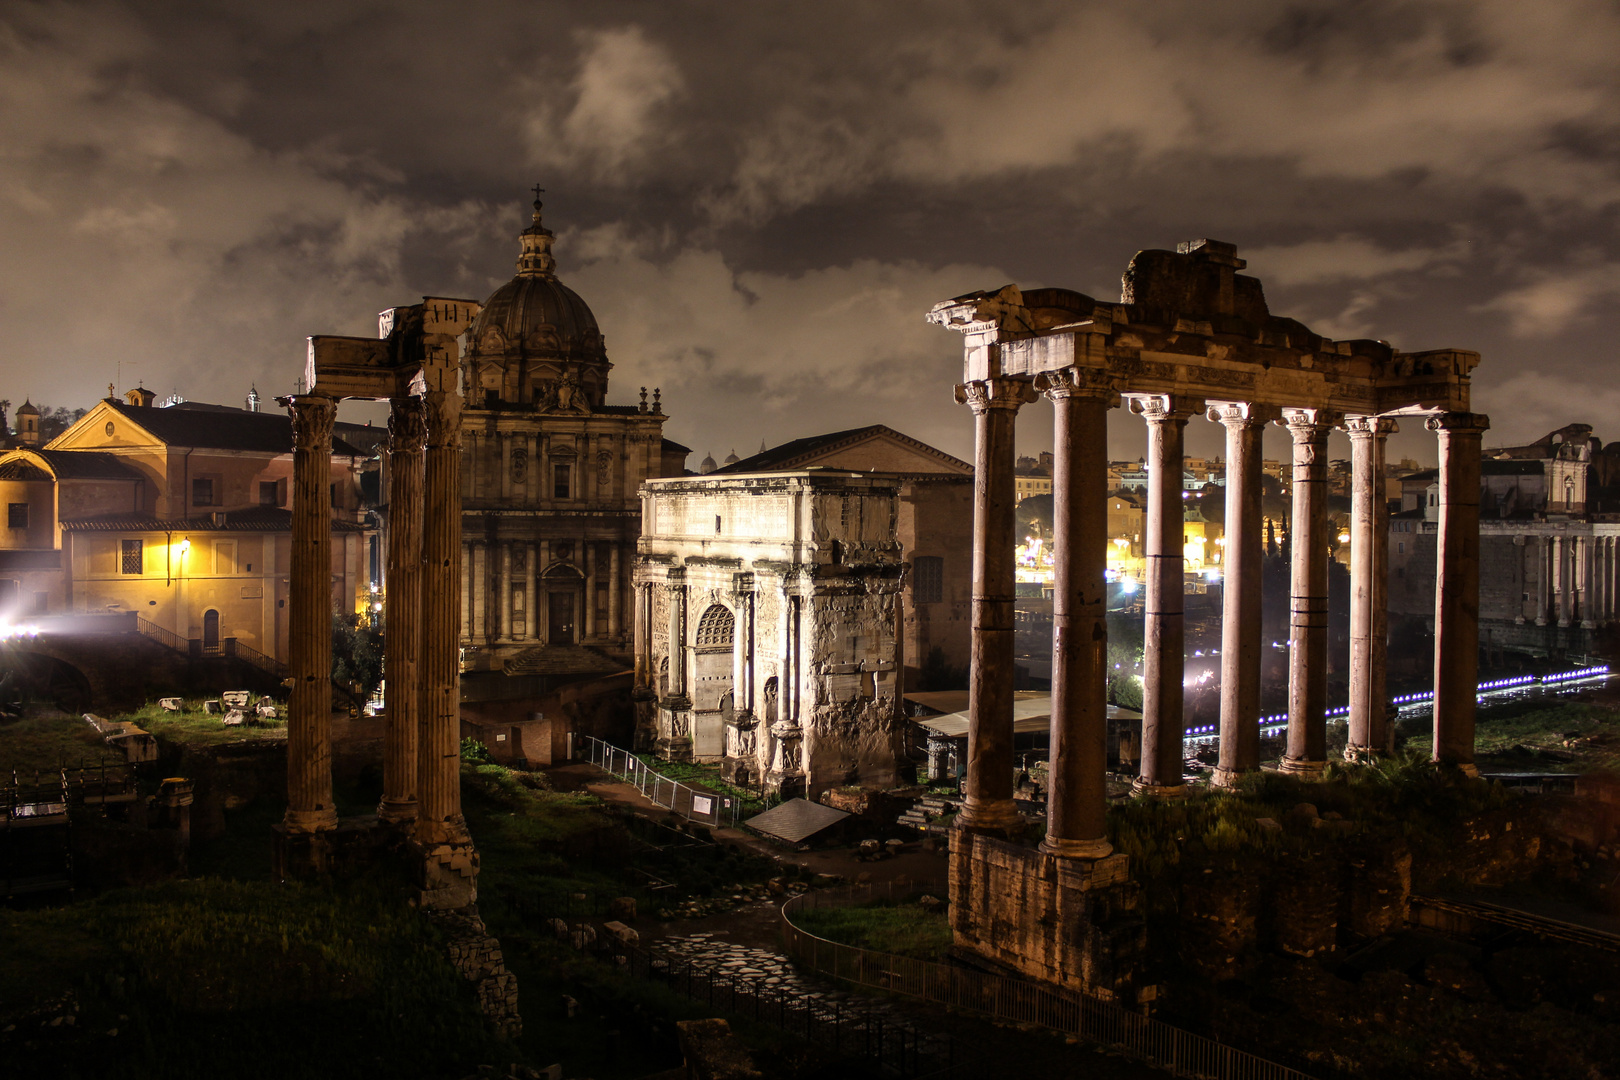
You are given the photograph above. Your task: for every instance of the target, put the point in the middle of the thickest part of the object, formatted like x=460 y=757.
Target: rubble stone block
x=213 y=707
x=169 y=704
x=235 y=718
x=236 y=699
x=622 y=933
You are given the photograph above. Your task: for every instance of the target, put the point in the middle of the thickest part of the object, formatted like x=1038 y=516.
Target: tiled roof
x=68 y=465
x=220 y=428
x=793 y=453
x=257 y=519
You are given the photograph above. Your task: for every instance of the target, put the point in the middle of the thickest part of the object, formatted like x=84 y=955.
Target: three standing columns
x=995 y=402
x=407 y=437
x=1370 y=731
x=1308 y=594
x=1076 y=806
x=1456 y=592
x=1241 y=639
x=1164 y=638
x=310 y=808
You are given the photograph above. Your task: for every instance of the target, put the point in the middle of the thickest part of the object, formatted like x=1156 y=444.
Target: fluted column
x=1308 y=589
x=1586 y=570
x=995 y=403
x=1456 y=588
x=742 y=645
x=402 y=643
x=439 y=778
x=1561 y=583
x=615 y=594
x=1164 y=638
x=676 y=592
x=1077 y=801
x=1240 y=596
x=309 y=708
x=1543 y=546
x=1369 y=587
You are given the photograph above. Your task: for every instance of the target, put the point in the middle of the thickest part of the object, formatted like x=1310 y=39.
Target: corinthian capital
x=985 y=394
x=312 y=418
x=1367 y=427
x=407 y=425
x=1165 y=408
x=1459 y=423
x=1079 y=382
x=1241 y=414
x=1310 y=425
x=443 y=408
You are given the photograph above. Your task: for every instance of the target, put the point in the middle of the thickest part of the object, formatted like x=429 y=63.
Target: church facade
x=550 y=476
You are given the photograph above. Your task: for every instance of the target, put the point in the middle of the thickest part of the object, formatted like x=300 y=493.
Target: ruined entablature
x=1188 y=324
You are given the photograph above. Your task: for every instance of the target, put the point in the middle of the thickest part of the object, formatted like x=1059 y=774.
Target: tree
x=357 y=654
x=52 y=422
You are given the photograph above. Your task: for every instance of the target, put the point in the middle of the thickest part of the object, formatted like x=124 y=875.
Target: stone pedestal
x=1370 y=731
x=1240 y=595
x=1456 y=590
x=989 y=801
x=1076 y=806
x=1308 y=588
x=309 y=708
x=402 y=605
x=1164 y=645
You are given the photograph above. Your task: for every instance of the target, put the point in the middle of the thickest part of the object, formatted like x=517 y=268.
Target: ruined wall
x=1067 y=921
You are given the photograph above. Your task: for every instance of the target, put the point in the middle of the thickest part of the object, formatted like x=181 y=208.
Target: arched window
x=716 y=629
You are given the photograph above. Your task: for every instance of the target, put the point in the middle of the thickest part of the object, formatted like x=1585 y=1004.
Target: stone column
x=989 y=802
x=407 y=437
x=1370 y=732
x=1307 y=651
x=1077 y=803
x=1561 y=589
x=1543 y=547
x=450 y=864
x=742 y=646
x=677 y=633
x=1585 y=569
x=1164 y=645
x=466 y=593
x=589 y=614
x=506 y=591
x=1240 y=596
x=615 y=593
x=1456 y=589
x=309 y=706
x=531 y=612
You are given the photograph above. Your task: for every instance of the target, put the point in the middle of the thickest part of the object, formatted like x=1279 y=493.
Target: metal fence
x=706 y=806
x=1014 y=1000
x=248 y=654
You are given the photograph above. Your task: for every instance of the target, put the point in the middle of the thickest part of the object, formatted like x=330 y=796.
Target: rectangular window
x=929 y=587
x=129 y=552
x=202 y=491
x=559 y=480
x=269 y=493
x=42 y=603
x=16 y=515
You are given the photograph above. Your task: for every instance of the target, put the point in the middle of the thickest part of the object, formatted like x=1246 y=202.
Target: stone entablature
x=781 y=595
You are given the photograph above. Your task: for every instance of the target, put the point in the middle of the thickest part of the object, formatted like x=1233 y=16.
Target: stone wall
x=1071 y=922
x=478 y=957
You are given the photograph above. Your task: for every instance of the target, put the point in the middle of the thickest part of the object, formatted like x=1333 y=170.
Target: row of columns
x=421 y=749
x=1576 y=580
x=500 y=623
x=1077 y=797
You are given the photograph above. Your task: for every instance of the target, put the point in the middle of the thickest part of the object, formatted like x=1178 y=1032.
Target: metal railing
x=709 y=807
x=167 y=638
x=1014 y=1001
x=247 y=653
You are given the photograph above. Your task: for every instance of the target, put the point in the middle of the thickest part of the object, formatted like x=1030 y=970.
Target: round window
x=109 y=427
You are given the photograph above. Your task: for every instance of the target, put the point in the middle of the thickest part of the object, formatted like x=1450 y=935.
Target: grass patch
x=46 y=739
x=245 y=979
x=904 y=929
x=193 y=727
x=1535 y=736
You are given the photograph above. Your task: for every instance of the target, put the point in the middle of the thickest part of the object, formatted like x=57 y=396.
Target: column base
x=1362 y=754
x=1228 y=779
x=310 y=821
x=446 y=873
x=1310 y=770
x=1461 y=768
x=1159 y=791
x=397 y=811
x=1077 y=849
x=1000 y=817
x=297 y=855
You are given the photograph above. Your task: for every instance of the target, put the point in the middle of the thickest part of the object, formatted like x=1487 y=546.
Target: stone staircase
x=921 y=814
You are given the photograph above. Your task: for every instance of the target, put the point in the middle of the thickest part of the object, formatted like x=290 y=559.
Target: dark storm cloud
x=760 y=200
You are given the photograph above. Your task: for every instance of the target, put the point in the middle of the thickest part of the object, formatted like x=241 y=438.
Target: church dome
x=534 y=314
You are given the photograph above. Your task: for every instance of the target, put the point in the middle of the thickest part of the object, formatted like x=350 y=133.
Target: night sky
x=760 y=200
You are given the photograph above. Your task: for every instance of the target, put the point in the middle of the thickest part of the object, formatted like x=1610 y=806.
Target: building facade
x=769 y=627
x=178 y=515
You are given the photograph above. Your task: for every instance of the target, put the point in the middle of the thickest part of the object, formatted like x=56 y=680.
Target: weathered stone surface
x=712 y=1051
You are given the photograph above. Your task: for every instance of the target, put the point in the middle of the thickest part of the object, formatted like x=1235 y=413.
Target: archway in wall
x=716 y=630
x=210 y=638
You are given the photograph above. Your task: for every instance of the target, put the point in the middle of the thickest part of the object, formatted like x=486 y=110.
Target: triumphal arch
x=1189 y=336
